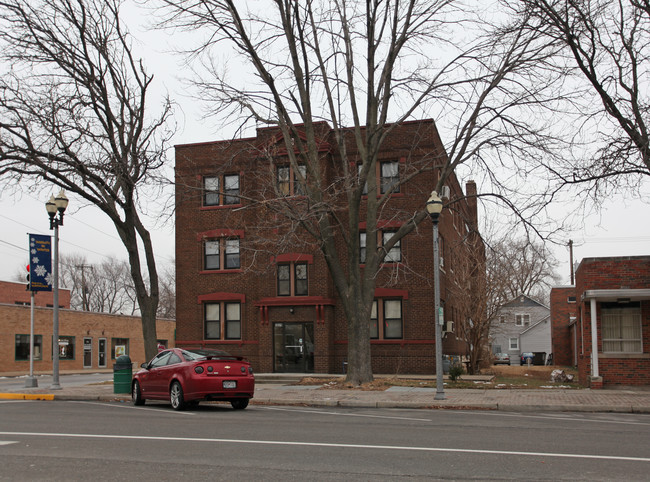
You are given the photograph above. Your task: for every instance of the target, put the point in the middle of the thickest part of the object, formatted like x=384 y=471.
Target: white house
x=522 y=325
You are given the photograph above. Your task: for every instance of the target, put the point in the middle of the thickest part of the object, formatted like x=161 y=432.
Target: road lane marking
x=568 y=419
x=321 y=412
x=330 y=445
x=157 y=410
x=7 y=442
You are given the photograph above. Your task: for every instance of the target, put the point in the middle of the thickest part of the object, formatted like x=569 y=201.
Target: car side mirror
x=145 y=366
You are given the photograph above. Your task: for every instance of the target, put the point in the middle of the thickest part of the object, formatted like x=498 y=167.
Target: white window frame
x=514 y=346
x=522 y=319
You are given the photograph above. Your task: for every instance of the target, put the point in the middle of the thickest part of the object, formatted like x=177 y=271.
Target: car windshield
x=201 y=354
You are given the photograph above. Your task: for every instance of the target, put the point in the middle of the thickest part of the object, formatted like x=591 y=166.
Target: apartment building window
x=22 y=347
x=621 y=328
x=386 y=319
x=214 y=196
x=522 y=319
x=230 y=313
x=292 y=279
x=221 y=254
x=394 y=255
x=288 y=182
x=389 y=176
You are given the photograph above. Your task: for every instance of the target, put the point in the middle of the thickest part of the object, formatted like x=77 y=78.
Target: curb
x=343 y=403
x=26 y=396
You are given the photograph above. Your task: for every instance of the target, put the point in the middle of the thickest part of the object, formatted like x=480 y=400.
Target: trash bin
x=539 y=358
x=122 y=374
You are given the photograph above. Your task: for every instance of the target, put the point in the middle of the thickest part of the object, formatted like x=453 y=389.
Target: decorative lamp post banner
x=40 y=262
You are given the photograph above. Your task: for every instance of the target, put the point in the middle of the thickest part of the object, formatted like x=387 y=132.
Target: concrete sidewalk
x=280 y=392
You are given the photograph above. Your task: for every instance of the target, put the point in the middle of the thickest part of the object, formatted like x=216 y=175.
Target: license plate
x=229 y=384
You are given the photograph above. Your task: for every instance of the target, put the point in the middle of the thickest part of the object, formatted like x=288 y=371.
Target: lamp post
x=56 y=206
x=434 y=208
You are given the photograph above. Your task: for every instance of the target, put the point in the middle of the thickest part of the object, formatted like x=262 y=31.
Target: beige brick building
x=86 y=340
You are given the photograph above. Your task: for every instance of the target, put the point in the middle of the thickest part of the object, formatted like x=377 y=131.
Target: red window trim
x=220 y=233
x=221 y=296
x=293 y=258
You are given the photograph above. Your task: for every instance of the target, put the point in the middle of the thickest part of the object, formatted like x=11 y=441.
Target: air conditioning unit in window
x=449 y=327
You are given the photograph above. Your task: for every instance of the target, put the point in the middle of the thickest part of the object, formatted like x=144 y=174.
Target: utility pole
x=571 y=258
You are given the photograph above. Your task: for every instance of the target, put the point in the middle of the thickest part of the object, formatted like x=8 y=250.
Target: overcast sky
x=620 y=229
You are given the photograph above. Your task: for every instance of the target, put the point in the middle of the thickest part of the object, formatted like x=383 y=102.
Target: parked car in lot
x=185 y=377
x=502 y=359
x=525 y=357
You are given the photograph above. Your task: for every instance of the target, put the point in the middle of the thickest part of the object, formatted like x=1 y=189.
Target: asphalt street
x=76 y=440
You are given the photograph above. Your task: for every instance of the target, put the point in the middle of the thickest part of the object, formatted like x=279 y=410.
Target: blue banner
x=40 y=262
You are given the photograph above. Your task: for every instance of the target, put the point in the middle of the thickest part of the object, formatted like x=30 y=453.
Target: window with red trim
x=214 y=328
x=221 y=254
x=392 y=256
x=292 y=279
x=288 y=180
x=213 y=195
x=386 y=319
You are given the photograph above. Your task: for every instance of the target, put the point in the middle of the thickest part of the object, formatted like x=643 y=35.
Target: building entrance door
x=88 y=352
x=101 y=363
x=293 y=347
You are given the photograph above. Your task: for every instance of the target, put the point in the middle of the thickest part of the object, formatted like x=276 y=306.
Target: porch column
x=594 y=340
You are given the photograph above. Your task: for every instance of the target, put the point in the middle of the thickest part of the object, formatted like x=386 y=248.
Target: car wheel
x=136 y=394
x=176 y=396
x=239 y=404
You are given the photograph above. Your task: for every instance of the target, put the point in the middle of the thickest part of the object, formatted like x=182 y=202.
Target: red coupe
x=185 y=377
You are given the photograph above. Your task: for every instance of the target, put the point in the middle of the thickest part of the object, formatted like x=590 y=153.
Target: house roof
x=534 y=325
x=523 y=300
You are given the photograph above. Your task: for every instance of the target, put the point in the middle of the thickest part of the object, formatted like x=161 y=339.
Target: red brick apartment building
x=609 y=308
x=277 y=306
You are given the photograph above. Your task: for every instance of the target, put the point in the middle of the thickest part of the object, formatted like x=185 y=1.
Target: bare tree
x=608 y=44
x=521 y=267
x=482 y=283
x=167 y=305
x=72 y=112
x=102 y=288
x=365 y=68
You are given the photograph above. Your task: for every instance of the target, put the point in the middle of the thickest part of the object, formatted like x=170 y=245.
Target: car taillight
x=250 y=370
x=243 y=370
x=198 y=369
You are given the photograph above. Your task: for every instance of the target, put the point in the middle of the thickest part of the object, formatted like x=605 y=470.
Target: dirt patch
x=535 y=372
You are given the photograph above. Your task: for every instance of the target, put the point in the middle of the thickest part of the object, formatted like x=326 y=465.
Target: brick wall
x=562 y=309
x=15 y=320
x=16 y=293
x=417 y=147
x=615 y=273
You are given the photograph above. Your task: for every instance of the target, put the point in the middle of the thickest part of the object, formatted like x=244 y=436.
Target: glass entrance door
x=88 y=352
x=293 y=347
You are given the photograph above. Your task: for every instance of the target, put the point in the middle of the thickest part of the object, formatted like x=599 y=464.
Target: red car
x=185 y=377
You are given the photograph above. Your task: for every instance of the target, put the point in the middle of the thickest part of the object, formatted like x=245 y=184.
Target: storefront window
x=66 y=347
x=119 y=347
x=22 y=347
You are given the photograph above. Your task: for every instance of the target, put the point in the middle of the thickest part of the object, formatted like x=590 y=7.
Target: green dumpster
x=122 y=374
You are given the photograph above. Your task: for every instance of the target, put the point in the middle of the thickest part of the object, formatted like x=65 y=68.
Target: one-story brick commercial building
x=603 y=326
x=87 y=340
x=278 y=306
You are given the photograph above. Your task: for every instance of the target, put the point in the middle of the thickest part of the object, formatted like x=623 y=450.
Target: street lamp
x=56 y=206
x=434 y=208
